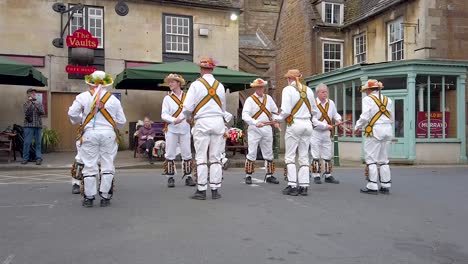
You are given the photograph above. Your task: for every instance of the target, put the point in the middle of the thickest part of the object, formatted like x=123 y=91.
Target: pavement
x=423 y=221
x=124 y=160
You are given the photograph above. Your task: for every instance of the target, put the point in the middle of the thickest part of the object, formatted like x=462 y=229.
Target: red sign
x=436 y=125
x=81 y=38
x=74 y=69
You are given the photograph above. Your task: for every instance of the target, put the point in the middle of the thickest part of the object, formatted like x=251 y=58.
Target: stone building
x=152 y=31
x=415 y=47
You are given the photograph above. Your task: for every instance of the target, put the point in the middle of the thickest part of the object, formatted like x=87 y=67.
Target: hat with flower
x=99 y=78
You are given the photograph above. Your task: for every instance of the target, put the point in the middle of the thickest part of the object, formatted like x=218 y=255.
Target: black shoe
x=189 y=181
x=384 y=190
x=331 y=180
x=369 y=191
x=24 y=162
x=317 y=180
x=87 y=202
x=303 y=191
x=272 y=179
x=76 y=189
x=38 y=162
x=290 y=191
x=151 y=161
x=215 y=195
x=105 y=202
x=226 y=165
x=199 y=195
x=248 y=180
x=170 y=182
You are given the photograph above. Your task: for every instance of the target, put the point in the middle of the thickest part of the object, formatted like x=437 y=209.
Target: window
x=177 y=34
x=91 y=19
x=436 y=107
x=332 y=13
x=332 y=56
x=360 y=48
x=347 y=97
x=396 y=40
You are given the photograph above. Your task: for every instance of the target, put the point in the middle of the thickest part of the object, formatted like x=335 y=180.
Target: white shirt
x=370 y=108
x=251 y=108
x=84 y=100
x=332 y=114
x=290 y=97
x=169 y=107
x=197 y=92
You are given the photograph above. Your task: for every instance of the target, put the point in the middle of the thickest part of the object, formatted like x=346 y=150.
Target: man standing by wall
x=33 y=112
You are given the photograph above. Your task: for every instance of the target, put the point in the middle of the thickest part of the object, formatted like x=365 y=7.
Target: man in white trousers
x=298 y=109
x=321 y=143
x=206 y=103
x=98 y=135
x=259 y=109
x=224 y=160
x=376 y=120
x=177 y=131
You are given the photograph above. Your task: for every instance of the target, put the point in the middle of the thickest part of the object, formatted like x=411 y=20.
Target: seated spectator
x=146 y=136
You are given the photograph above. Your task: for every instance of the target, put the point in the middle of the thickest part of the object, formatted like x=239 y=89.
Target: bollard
x=336 y=156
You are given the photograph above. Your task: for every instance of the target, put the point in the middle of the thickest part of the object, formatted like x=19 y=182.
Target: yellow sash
x=302 y=99
x=262 y=106
x=382 y=111
x=176 y=114
x=211 y=95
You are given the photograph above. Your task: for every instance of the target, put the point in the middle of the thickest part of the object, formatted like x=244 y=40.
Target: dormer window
x=332 y=13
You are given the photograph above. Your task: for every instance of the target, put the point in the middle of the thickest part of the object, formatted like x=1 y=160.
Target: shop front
x=429 y=104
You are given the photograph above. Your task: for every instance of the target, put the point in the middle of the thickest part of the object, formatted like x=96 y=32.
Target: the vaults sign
x=81 y=38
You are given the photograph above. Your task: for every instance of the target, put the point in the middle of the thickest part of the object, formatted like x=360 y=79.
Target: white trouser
x=78 y=160
x=173 y=141
x=224 y=159
x=376 y=156
x=208 y=135
x=263 y=137
x=321 y=147
x=297 y=139
x=98 y=145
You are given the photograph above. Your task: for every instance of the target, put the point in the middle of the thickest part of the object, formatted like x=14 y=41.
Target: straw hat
x=258 y=83
x=99 y=77
x=175 y=77
x=294 y=73
x=207 y=62
x=372 y=83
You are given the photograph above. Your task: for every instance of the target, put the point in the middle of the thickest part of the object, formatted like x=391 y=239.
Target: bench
x=7 y=144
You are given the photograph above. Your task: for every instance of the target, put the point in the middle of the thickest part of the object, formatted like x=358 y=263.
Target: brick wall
x=449 y=29
x=294 y=42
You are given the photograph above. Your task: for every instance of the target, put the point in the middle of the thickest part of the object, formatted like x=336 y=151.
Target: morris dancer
x=206 y=102
x=376 y=119
x=298 y=109
x=98 y=135
x=177 y=131
x=257 y=111
x=321 y=143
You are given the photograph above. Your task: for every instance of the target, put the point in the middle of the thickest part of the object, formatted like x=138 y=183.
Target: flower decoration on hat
x=207 y=62
x=176 y=77
x=258 y=83
x=99 y=78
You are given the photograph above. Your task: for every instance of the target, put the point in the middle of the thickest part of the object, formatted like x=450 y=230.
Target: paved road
x=423 y=221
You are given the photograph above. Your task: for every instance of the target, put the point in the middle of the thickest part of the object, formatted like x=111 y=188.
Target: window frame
x=394 y=43
x=355 y=49
x=324 y=15
x=165 y=34
x=334 y=60
x=85 y=16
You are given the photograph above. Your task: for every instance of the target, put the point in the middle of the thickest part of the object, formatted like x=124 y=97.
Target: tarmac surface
x=422 y=221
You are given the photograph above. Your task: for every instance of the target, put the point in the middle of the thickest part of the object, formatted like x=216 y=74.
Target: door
x=399 y=148
x=60 y=121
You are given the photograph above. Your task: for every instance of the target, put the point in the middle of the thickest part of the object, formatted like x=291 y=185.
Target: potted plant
x=50 y=139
